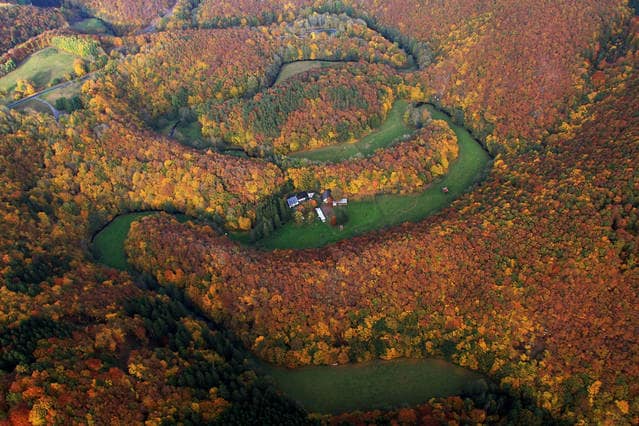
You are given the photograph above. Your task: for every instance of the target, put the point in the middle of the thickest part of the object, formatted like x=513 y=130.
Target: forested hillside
x=528 y=275
x=549 y=239
x=20 y=23
x=321 y=108
x=124 y=15
x=406 y=167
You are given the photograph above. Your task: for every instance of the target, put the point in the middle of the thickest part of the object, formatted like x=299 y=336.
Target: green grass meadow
x=189 y=134
x=108 y=244
x=91 y=26
x=393 y=128
x=40 y=69
x=371 y=385
x=389 y=210
x=294 y=68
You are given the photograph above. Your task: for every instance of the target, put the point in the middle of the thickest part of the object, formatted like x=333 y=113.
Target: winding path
x=36 y=96
x=54 y=111
x=378 y=384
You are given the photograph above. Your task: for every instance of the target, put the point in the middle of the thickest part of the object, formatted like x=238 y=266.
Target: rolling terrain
x=154 y=271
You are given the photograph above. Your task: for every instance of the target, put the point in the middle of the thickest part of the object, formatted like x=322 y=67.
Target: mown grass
x=69 y=91
x=389 y=210
x=41 y=69
x=372 y=385
x=108 y=244
x=294 y=68
x=33 y=105
x=393 y=128
x=189 y=134
x=91 y=26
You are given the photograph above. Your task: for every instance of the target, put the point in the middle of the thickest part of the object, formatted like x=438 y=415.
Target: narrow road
x=151 y=28
x=48 y=90
x=154 y=25
x=55 y=112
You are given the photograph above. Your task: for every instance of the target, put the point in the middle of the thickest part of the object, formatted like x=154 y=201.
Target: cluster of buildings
x=326 y=203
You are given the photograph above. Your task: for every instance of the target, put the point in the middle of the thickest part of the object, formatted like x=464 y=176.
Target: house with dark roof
x=326 y=195
x=292 y=202
x=297 y=199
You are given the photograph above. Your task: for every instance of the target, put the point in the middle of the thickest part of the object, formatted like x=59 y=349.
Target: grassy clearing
x=108 y=244
x=372 y=385
x=41 y=69
x=392 y=129
x=34 y=105
x=189 y=134
x=389 y=210
x=69 y=91
x=91 y=26
x=294 y=68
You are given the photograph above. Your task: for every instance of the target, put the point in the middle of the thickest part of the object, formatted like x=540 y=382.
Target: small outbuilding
x=326 y=195
x=320 y=214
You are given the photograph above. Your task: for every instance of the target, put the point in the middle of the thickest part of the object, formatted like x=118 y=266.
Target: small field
x=33 y=105
x=372 y=385
x=91 y=26
x=392 y=129
x=41 y=69
x=389 y=210
x=69 y=91
x=294 y=68
x=189 y=134
x=108 y=244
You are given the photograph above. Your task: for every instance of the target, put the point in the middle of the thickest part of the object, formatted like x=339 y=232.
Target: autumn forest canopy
x=452 y=180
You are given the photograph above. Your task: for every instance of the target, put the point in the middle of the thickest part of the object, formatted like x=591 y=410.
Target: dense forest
x=342 y=296
x=123 y=15
x=19 y=23
x=530 y=277
x=324 y=107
